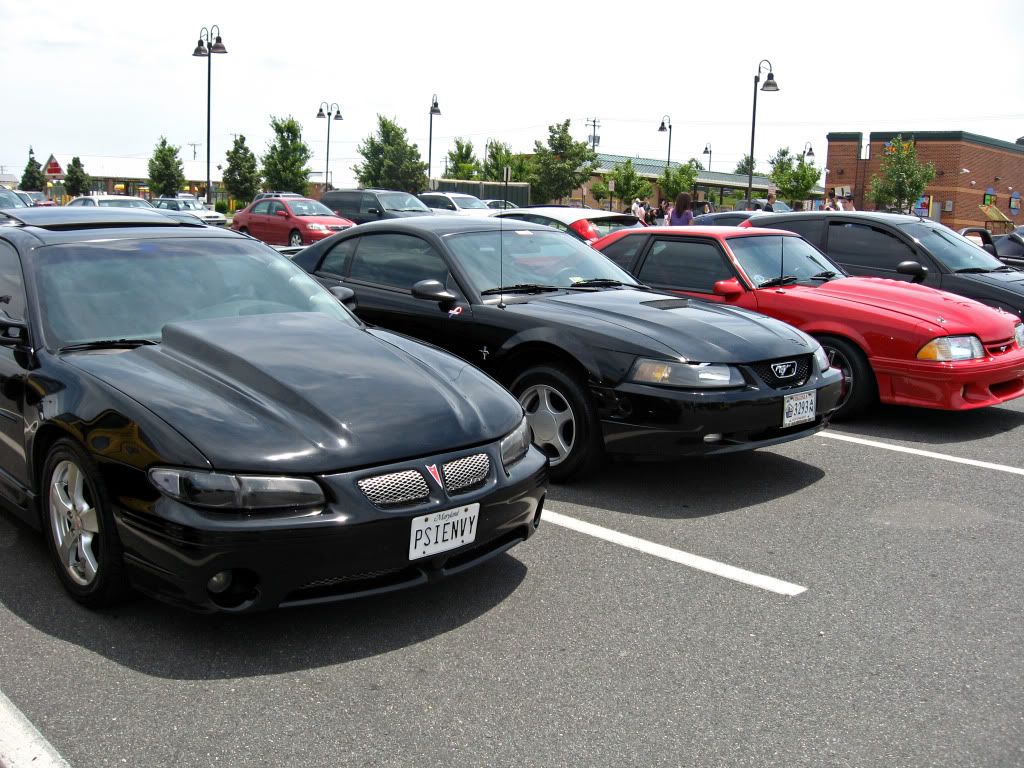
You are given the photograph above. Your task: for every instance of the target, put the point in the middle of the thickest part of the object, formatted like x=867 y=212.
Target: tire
x=563 y=420
x=244 y=230
x=295 y=238
x=79 y=527
x=860 y=388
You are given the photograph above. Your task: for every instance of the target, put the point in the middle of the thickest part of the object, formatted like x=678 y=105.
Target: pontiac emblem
x=784 y=370
x=432 y=469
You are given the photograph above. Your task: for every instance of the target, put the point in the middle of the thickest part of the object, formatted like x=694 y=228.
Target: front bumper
x=958 y=386
x=310 y=236
x=657 y=422
x=350 y=548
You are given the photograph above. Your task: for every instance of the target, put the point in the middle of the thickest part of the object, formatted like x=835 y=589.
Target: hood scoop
x=667 y=303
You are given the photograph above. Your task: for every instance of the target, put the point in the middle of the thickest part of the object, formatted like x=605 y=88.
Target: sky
x=111 y=77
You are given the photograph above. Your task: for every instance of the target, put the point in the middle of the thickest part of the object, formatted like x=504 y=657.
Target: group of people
x=677 y=214
x=838 y=203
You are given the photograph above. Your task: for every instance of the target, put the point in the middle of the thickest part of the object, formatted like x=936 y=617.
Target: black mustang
x=598 y=361
x=185 y=411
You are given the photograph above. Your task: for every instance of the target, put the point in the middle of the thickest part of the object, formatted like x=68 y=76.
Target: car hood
x=306 y=393
x=407 y=214
x=1009 y=282
x=696 y=330
x=327 y=221
x=958 y=314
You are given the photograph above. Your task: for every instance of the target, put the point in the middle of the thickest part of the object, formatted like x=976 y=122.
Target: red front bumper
x=956 y=386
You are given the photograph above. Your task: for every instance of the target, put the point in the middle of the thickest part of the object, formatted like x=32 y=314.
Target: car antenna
x=507 y=171
x=782 y=259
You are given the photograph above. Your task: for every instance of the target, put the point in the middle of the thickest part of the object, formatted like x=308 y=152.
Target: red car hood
x=958 y=314
x=327 y=221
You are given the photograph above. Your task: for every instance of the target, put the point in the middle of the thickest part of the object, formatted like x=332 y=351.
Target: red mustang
x=896 y=342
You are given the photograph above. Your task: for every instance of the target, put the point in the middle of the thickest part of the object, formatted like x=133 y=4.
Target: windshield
x=401 y=201
x=309 y=208
x=951 y=249
x=124 y=202
x=469 y=202
x=530 y=257
x=36 y=195
x=190 y=205
x=10 y=200
x=767 y=258
x=131 y=289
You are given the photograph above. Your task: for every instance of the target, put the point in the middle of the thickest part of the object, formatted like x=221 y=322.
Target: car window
x=303 y=207
x=275 y=206
x=624 y=251
x=768 y=257
x=691 y=265
x=432 y=201
x=951 y=248
x=469 y=202
x=262 y=207
x=398 y=261
x=124 y=202
x=605 y=225
x=368 y=201
x=10 y=200
x=343 y=202
x=809 y=229
x=865 y=246
x=400 y=201
x=337 y=259
x=12 y=283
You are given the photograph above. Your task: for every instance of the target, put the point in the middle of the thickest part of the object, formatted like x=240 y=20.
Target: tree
x=390 y=161
x=781 y=157
x=676 y=180
x=462 y=162
x=901 y=178
x=744 y=166
x=77 y=181
x=166 y=171
x=498 y=155
x=33 y=180
x=599 y=191
x=285 y=163
x=696 y=163
x=629 y=185
x=794 y=177
x=560 y=166
x=242 y=174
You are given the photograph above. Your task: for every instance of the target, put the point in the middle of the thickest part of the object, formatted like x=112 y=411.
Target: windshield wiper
x=973 y=270
x=521 y=288
x=602 y=282
x=108 y=344
x=826 y=275
x=780 y=280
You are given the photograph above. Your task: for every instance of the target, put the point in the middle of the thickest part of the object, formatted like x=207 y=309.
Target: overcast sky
x=111 y=77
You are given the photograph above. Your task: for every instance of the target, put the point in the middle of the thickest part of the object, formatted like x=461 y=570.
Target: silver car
x=193 y=206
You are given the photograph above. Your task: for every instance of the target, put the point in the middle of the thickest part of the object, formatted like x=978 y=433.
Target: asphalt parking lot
x=900 y=644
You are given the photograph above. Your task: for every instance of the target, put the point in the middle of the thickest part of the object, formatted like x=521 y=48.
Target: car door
x=626 y=251
x=14 y=475
x=257 y=223
x=278 y=224
x=690 y=266
x=370 y=208
x=872 y=250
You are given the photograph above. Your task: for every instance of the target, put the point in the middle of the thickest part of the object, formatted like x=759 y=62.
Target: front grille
x=395 y=488
x=336 y=227
x=798 y=379
x=999 y=347
x=467 y=472
x=332 y=581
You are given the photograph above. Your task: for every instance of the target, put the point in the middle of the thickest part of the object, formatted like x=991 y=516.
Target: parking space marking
x=21 y=745
x=919 y=452
x=676 y=555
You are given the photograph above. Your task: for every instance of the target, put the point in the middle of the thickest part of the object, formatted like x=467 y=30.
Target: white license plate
x=441 y=531
x=796 y=409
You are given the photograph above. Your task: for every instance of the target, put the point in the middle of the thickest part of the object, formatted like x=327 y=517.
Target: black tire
x=860 y=388
x=107 y=584
x=244 y=230
x=570 y=434
x=294 y=238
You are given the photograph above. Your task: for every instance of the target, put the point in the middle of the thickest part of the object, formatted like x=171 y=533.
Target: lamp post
x=808 y=151
x=209 y=44
x=769 y=85
x=434 y=110
x=707 y=151
x=666 y=120
x=333 y=107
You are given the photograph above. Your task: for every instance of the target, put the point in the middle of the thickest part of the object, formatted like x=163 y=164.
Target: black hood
x=1008 y=286
x=306 y=393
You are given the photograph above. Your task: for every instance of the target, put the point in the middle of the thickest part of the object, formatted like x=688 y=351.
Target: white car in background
x=193 y=206
x=586 y=224
x=110 y=201
x=455 y=203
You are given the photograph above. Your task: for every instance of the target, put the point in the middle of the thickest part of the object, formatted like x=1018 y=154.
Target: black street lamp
x=707 y=151
x=808 y=151
x=661 y=129
x=434 y=110
x=769 y=85
x=209 y=44
x=333 y=107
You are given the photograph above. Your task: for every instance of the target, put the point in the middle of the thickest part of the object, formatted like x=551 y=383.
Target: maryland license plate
x=441 y=531
x=796 y=409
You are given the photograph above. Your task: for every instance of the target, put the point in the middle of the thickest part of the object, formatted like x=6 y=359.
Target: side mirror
x=433 y=290
x=13 y=333
x=730 y=288
x=916 y=271
x=282 y=214
x=374 y=211
x=990 y=247
x=345 y=295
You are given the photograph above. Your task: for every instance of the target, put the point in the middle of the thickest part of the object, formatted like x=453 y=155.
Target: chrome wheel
x=74 y=523
x=836 y=359
x=552 y=420
x=295 y=238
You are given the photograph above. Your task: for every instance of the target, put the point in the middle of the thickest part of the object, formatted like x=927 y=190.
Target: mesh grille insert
x=395 y=488
x=467 y=472
x=800 y=366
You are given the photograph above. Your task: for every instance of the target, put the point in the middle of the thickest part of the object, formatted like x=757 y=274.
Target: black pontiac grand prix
x=187 y=412
x=599 y=362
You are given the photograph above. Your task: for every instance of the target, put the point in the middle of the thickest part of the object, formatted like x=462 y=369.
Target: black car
x=598 y=361
x=906 y=248
x=722 y=218
x=186 y=412
x=364 y=205
x=1008 y=248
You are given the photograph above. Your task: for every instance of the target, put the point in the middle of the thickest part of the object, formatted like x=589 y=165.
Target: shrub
x=221 y=206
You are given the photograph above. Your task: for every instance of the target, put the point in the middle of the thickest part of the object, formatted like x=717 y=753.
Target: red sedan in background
x=897 y=342
x=288 y=221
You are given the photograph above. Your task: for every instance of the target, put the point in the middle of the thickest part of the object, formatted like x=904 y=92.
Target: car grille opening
x=467 y=473
x=769 y=371
x=999 y=347
x=395 y=488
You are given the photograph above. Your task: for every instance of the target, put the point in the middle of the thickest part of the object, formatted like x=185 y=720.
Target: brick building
x=969 y=170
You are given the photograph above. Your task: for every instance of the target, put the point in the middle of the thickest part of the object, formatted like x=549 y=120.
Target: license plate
x=796 y=409
x=441 y=531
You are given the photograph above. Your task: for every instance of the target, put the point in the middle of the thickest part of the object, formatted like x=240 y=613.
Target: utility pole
x=594 y=123
x=194 y=145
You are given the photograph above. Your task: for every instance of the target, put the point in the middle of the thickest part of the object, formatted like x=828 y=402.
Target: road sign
x=507 y=174
x=611 y=185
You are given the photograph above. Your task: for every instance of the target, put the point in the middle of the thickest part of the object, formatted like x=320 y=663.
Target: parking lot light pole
x=209 y=44
x=666 y=120
x=769 y=85
x=434 y=110
x=707 y=151
x=808 y=151
x=333 y=107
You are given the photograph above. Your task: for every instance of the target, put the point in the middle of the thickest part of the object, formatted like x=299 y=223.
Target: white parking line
x=676 y=555
x=21 y=745
x=919 y=452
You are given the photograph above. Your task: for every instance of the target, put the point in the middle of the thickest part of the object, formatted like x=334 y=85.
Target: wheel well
x=537 y=353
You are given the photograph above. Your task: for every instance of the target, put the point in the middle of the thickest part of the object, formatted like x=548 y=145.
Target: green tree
x=462 y=162
x=498 y=155
x=285 y=164
x=744 y=166
x=794 y=177
x=33 y=180
x=390 y=161
x=696 y=163
x=599 y=191
x=561 y=165
x=166 y=171
x=781 y=157
x=901 y=178
x=242 y=174
x=629 y=185
x=676 y=180
x=77 y=181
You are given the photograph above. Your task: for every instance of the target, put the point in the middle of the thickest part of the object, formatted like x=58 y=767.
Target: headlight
x=947 y=349
x=1018 y=334
x=821 y=358
x=688 y=375
x=515 y=444
x=222 y=491
x=316 y=227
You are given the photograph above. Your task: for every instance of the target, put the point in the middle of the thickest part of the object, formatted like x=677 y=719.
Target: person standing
x=682 y=216
x=770 y=205
x=848 y=204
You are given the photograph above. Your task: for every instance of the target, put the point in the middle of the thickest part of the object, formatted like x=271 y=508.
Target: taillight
x=585 y=229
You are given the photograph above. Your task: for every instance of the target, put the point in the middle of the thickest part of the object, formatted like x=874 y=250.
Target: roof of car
x=891 y=218
x=702 y=231
x=63 y=224
x=564 y=214
x=447 y=225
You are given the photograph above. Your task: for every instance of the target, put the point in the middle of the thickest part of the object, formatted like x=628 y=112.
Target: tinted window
x=261 y=207
x=346 y=202
x=397 y=260
x=695 y=266
x=865 y=246
x=951 y=248
x=337 y=259
x=400 y=201
x=368 y=201
x=809 y=229
x=767 y=258
x=624 y=251
x=275 y=206
x=124 y=202
x=12 y=284
x=469 y=202
x=303 y=207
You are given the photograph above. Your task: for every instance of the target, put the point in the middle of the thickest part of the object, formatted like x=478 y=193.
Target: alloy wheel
x=552 y=420
x=837 y=359
x=74 y=523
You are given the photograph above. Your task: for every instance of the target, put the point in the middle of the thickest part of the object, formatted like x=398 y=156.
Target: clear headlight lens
x=515 y=444
x=688 y=375
x=316 y=227
x=1018 y=334
x=821 y=358
x=222 y=491
x=947 y=349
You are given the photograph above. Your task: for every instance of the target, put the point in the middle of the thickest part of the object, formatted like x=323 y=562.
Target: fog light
x=713 y=437
x=219 y=582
